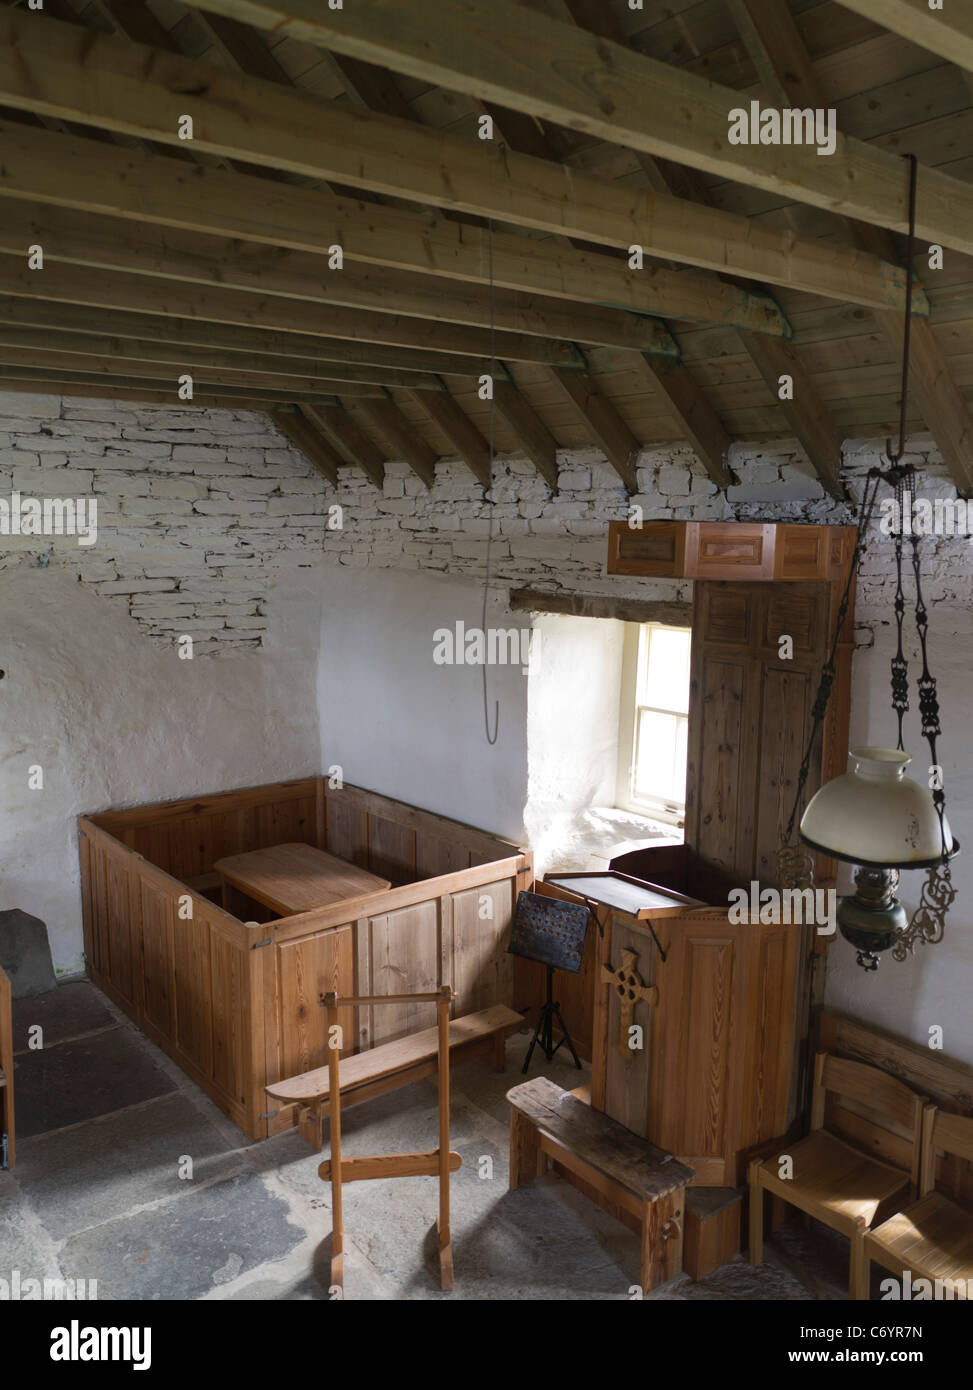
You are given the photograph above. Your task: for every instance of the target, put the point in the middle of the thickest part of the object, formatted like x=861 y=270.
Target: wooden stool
x=547 y=1122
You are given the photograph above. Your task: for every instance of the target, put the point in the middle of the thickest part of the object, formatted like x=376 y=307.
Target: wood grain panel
x=481 y=971
x=403 y=957
x=391 y=850
x=231 y=1014
x=192 y=995
x=121 y=949
x=308 y=969
x=157 y=911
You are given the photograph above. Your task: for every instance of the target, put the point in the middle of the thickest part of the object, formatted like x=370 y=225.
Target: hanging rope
x=491 y=499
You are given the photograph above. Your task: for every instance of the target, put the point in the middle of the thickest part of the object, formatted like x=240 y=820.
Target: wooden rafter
x=806 y=414
x=388 y=366
x=947 y=32
x=697 y=420
x=82 y=239
x=391 y=423
x=141 y=92
x=141 y=395
x=301 y=432
x=286 y=386
x=338 y=425
x=785 y=67
x=146 y=295
x=611 y=434
x=27 y=344
x=499 y=51
x=537 y=440
x=446 y=413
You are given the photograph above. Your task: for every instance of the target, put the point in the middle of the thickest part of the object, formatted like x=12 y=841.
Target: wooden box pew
x=391 y=1065
x=234 y=999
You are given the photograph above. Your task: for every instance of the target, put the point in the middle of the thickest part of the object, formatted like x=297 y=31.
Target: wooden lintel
x=625 y=610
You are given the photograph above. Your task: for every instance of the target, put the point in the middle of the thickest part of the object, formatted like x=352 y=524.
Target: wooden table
x=296 y=878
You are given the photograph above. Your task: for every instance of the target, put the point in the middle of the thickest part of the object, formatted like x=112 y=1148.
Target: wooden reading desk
x=296 y=878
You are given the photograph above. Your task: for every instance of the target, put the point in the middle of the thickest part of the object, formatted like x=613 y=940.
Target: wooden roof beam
x=778 y=52
x=947 y=32
x=136 y=396
x=118 y=86
x=499 y=51
x=148 y=295
x=387 y=366
x=84 y=239
x=123 y=382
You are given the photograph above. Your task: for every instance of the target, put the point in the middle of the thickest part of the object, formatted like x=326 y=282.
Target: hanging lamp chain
x=794 y=863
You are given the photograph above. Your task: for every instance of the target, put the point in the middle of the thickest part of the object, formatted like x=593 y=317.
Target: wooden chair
x=832 y=1181
x=933 y=1237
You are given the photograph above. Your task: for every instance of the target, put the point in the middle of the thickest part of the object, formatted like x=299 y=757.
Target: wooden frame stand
x=438 y=1162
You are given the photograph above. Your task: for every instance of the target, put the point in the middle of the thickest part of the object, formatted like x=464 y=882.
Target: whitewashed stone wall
x=198 y=509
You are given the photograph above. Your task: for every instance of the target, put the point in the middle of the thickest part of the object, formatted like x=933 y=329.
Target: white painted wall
x=114 y=720
x=398 y=723
x=204 y=519
x=572 y=725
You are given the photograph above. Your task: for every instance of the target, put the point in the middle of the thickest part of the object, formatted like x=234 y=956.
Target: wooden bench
x=547 y=1122
x=390 y=1065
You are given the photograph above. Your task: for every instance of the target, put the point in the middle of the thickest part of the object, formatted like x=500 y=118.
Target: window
x=654 y=721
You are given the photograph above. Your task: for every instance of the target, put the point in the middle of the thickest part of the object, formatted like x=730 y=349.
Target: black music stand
x=550 y=932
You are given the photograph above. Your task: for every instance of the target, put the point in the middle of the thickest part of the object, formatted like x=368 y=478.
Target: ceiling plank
x=309 y=441
x=499 y=51
x=947 y=32
x=338 y=425
x=449 y=416
x=697 y=420
x=779 y=54
x=146 y=295
x=122 y=87
x=612 y=435
x=538 y=443
x=392 y=424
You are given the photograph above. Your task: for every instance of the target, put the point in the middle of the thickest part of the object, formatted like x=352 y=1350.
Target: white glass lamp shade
x=875 y=815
